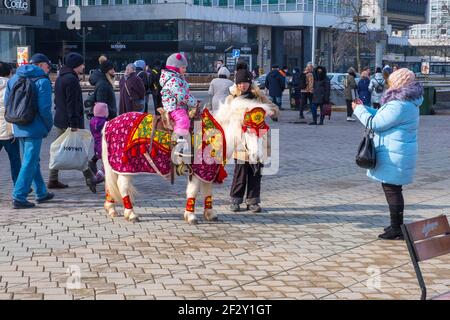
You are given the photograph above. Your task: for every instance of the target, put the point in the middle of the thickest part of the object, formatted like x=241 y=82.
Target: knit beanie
x=176 y=61
x=243 y=75
x=106 y=66
x=74 y=60
x=401 y=78
x=223 y=71
x=101 y=110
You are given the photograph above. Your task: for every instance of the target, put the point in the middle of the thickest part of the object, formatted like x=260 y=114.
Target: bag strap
x=128 y=91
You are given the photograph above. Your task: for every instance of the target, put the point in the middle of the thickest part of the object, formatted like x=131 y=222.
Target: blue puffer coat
x=43 y=122
x=395 y=125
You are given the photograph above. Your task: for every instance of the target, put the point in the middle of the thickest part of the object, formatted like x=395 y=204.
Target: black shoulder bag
x=366 y=157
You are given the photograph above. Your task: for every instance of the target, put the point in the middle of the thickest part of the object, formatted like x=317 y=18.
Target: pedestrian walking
x=96 y=125
x=219 y=89
x=321 y=94
x=7 y=140
x=275 y=84
x=141 y=72
x=104 y=88
x=350 y=92
x=307 y=89
x=295 y=87
x=377 y=88
x=30 y=135
x=363 y=88
x=395 y=126
x=69 y=111
x=387 y=71
x=132 y=92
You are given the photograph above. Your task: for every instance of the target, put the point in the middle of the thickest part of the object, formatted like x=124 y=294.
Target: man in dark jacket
x=276 y=84
x=132 y=92
x=104 y=88
x=155 y=87
x=97 y=73
x=69 y=111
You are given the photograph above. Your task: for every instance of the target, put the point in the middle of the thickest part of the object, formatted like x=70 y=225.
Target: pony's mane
x=230 y=115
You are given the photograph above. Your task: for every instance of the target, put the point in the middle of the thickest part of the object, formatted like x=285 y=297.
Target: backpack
x=21 y=107
x=303 y=82
x=379 y=88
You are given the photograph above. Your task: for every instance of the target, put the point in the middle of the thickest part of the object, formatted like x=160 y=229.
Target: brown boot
x=56 y=185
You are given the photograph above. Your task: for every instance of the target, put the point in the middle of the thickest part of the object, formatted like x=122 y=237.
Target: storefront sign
x=118 y=46
x=425 y=68
x=23 y=55
x=210 y=48
x=19 y=6
x=246 y=49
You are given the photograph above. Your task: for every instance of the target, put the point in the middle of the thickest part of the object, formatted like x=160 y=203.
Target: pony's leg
x=192 y=190
x=110 y=205
x=125 y=187
x=209 y=213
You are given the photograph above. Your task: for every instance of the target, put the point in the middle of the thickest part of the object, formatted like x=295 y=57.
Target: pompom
x=179 y=56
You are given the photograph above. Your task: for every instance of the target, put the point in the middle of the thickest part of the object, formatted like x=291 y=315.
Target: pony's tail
x=111 y=185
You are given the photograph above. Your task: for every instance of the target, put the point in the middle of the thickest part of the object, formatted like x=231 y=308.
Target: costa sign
x=17 y=5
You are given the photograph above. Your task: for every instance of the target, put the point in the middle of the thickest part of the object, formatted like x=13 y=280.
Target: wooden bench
x=427 y=239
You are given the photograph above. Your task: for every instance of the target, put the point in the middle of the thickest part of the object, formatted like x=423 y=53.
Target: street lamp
x=313 y=59
x=83 y=36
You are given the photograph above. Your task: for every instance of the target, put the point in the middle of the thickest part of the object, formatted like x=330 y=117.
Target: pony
x=136 y=143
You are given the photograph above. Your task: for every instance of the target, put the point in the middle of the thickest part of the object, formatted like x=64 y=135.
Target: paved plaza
x=315 y=239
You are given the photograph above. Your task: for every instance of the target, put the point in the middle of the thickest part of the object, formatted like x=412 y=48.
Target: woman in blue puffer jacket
x=395 y=125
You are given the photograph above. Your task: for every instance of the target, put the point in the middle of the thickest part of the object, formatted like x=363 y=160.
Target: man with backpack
x=307 y=89
x=145 y=77
x=377 y=87
x=28 y=100
x=69 y=111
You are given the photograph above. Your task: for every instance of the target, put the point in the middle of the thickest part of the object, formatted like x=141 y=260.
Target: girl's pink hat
x=101 y=110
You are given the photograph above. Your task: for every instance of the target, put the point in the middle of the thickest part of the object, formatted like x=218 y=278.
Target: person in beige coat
x=249 y=159
x=7 y=140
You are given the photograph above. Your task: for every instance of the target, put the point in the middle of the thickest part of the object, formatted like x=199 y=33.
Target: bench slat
x=445 y=296
x=429 y=228
x=433 y=247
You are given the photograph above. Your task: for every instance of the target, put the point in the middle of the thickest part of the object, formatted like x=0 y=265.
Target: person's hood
x=322 y=76
x=30 y=71
x=273 y=74
x=378 y=76
x=3 y=83
x=95 y=76
x=411 y=92
x=166 y=75
x=65 y=70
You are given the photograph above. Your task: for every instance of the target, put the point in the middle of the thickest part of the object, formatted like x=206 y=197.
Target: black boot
x=321 y=120
x=393 y=232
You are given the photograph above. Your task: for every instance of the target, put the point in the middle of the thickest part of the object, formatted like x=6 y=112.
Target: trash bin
x=429 y=99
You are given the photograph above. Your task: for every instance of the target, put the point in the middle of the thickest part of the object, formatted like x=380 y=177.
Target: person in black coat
x=296 y=90
x=104 y=88
x=69 y=111
x=155 y=86
x=276 y=84
x=321 y=94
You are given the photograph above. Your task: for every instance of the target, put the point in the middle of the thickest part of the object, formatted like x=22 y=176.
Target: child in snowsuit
x=96 y=125
x=176 y=99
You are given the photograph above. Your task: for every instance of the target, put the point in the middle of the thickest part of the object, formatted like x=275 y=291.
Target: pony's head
x=243 y=121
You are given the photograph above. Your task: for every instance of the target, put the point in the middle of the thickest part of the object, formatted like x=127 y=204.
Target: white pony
x=123 y=157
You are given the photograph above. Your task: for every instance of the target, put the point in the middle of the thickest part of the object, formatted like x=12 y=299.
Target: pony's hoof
x=113 y=214
x=190 y=218
x=210 y=216
x=131 y=217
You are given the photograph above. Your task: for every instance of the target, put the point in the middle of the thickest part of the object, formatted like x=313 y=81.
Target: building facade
x=19 y=21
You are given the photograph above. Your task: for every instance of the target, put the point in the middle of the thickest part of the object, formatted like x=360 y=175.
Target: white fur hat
x=223 y=71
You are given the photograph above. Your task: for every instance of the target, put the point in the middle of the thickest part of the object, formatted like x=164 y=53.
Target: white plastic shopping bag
x=71 y=150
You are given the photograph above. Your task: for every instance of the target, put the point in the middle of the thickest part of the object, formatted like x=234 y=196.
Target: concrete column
x=307 y=47
x=264 y=37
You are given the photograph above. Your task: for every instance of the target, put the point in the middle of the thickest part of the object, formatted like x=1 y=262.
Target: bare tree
x=356 y=23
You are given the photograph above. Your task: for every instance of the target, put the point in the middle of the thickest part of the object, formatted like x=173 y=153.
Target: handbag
x=136 y=105
x=366 y=156
x=327 y=108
